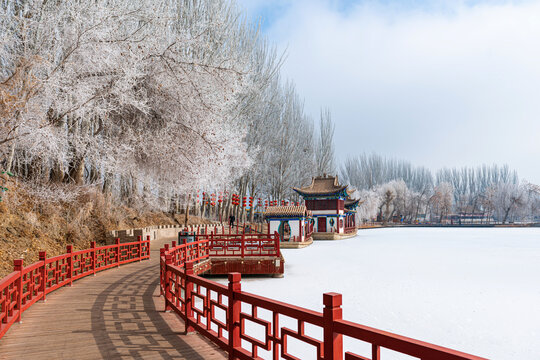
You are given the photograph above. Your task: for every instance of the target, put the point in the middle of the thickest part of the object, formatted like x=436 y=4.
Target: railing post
x=161 y=272
x=118 y=252
x=375 y=352
x=94 y=256
x=242 y=245
x=188 y=297
x=18 y=266
x=168 y=262
x=140 y=248
x=235 y=307
x=70 y=264
x=43 y=270
x=333 y=342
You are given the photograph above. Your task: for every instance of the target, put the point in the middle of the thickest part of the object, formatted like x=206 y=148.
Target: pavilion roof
x=352 y=203
x=287 y=211
x=322 y=185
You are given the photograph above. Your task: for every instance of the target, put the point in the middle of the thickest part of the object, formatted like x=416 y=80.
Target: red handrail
x=242 y=245
x=200 y=307
x=26 y=285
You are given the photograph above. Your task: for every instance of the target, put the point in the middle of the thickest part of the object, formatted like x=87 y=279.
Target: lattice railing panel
x=26 y=285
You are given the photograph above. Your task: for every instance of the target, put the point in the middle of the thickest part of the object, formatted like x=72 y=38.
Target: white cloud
x=450 y=86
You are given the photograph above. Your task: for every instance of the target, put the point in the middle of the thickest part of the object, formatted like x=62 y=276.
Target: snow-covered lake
x=473 y=290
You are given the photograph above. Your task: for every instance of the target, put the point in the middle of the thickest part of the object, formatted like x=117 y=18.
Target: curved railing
x=26 y=285
x=219 y=313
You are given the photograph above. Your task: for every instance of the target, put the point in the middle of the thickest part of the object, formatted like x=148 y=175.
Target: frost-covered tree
x=367 y=171
x=508 y=199
x=442 y=200
x=325 y=144
x=146 y=99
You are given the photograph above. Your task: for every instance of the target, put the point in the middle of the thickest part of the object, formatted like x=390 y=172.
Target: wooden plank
x=116 y=314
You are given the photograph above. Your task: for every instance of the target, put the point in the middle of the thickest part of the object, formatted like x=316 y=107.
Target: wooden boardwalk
x=118 y=314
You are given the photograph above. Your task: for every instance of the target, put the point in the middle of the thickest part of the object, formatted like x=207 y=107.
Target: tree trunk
x=11 y=156
x=76 y=171
x=107 y=183
x=57 y=172
x=186 y=215
x=506 y=212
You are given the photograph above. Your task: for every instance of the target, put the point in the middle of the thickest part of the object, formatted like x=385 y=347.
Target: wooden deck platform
x=118 y=314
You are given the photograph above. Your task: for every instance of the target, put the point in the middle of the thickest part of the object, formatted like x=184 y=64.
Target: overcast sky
x=438 y=83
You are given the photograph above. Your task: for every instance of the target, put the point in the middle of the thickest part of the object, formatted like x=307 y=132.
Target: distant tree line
x=393 y=188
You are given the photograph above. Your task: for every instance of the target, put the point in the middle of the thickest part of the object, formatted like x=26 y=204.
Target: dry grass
x=29 y=224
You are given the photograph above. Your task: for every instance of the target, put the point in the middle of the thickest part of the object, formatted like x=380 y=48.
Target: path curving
x=118 y=314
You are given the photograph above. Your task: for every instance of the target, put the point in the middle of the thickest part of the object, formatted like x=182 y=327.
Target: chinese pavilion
x=332 y=207
x=292 y=223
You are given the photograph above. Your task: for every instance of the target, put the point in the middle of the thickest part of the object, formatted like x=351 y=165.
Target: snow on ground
x=473 y=290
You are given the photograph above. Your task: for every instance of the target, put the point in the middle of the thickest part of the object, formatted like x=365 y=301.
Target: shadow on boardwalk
x=115 y=315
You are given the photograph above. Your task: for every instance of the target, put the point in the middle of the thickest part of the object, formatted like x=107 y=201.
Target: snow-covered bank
x=474 y=290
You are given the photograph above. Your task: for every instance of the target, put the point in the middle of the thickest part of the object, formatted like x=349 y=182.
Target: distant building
x=465 y=218
x=332 y=208
x=293 y=224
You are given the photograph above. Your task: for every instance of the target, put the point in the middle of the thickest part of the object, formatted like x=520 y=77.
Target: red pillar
x=118 y=252
x=70 y=264
x=43 y=271
x=333 y=342
x=18 y=266
x=189 y=298
x=277 y=239
x=140 y=247
x=243 y=245
x=235 y=307
x=375 y=352
x=94 y=256
x=161 y=272
x=167 y=281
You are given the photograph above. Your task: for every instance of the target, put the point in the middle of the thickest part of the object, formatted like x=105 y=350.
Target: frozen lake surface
x=473 y=290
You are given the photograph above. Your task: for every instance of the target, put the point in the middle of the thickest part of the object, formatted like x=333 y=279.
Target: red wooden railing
x=26 y=285
x=218 y=312
x=227 y=229
x=350 y=229
x=244 y=245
